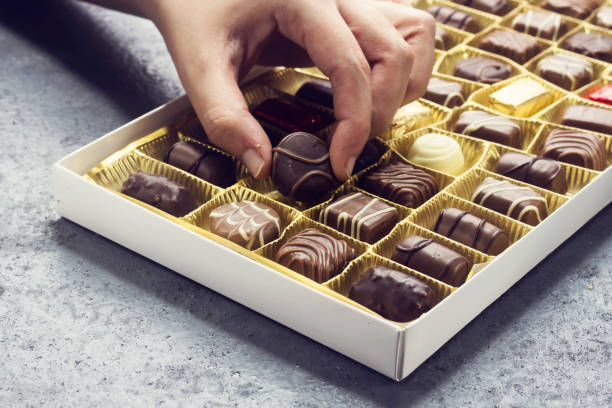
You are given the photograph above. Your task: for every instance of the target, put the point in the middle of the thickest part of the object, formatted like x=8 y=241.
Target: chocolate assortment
x=512 y=125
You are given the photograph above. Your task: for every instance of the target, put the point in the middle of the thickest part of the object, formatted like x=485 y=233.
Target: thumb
x=229 y=125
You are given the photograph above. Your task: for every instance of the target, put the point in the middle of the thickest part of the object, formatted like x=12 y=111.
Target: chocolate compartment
x=427 y=215
x=584 y=28
x=473 y=149
x=529 y=127
x=443 y=180
x=301 y=223
x=483 y=96
x=570 y=23
x=465 y=187
x=475 y=42
x=201 y=217
x=386 y=246
x=599 y=67
x=468 y=87
x=348 y=187
x=581 y=174
x=447 y=64
x=112 y=175
x=343 y=282
x=483 y=19
x=575 y=177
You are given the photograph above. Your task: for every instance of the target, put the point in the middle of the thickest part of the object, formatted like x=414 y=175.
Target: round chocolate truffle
x=202 y=162
x=301 y=169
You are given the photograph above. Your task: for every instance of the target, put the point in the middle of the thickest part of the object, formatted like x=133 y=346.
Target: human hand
x=377 y=54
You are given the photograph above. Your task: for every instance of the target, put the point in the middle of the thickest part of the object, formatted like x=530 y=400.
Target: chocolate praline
x=160 y=192
x=392 y=294
x=485 y=70
x=589 y=118
x=488 y=6
x=575 y=147
x=316 y=255
x=434 y=260
x=204 y=163
x=475 y=232
x=489 y=127
x=301 y=169
x=518 y=47
x=592 y=45
x=539 y=171
x=454 y=18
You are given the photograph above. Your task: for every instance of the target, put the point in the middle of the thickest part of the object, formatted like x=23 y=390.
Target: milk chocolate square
x=517 y=47
x=589 y=118
x=489 y=127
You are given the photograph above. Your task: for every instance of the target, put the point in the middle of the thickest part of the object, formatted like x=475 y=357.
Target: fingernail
x=350 y=163
x=253 y=161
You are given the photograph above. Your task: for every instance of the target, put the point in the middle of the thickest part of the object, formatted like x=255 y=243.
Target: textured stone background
x=84 y=322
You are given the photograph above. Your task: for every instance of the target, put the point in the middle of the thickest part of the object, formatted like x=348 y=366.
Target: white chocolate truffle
x=438 y=152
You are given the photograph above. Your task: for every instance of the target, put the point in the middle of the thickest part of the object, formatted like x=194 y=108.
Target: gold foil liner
x=467 y=87
x=386 y=246
x=473 y=149
x=288 y=80
x=526 y=6
x=112 y=176
x=447 y=64
x=484 y=20
x=583 y=28
x=201 y=217
x=455 y=37
x=343 y=282
x=529 y=127
x=300 y=224
x=575 y=177
x=427 y=215
x=475 y=42
x=532 y=66
x=465 y=187
x=314 y=213
x=312 y=71
x=536 y=147
x=402 y=123
x=526 y=110
x=442 y=179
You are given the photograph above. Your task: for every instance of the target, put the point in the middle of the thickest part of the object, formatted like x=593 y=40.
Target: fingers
x=388 y=54
x=225 y=116
x=333 y=48
x=417 y=28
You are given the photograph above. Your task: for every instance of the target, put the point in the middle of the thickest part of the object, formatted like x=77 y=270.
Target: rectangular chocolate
x=540 y=24
x=488 y=6
x=454 y=18
x=359 y=216
x=592 y=45
x=589 y=118
x=539 y=171
x=579 y=9
x=489 y=127
x=567 y=71
x=517 y=47
x=445 y=93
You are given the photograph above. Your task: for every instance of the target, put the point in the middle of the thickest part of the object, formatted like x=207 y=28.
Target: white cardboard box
x=388 y=348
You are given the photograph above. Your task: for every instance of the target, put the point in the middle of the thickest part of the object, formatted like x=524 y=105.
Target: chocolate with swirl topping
x=472 y=231
x=316 y=255
x=301 y=169
x=246 y=223
x=402 y=184
x=575 y=147
x=432 y=259
x=539 y=171
x=392 y=294
x=485 y=70
x=359 y=216
x=520 y=203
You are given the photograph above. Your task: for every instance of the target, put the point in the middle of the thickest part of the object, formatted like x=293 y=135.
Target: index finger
x=333 y=48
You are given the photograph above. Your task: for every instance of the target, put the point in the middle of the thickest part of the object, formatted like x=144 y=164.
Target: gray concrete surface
x=85 y=322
